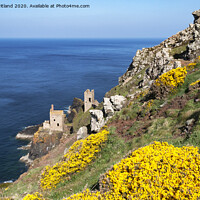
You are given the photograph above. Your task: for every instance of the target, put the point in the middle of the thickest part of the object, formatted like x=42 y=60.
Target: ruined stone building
x=89 y=100
x=56 y=122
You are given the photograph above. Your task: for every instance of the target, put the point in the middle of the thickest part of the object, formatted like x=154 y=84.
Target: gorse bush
x=80 y=154
x=157 y=171
x=168 y=82
x=172 y=78
x=191 y=66
x=35 y=196
x=85 y=195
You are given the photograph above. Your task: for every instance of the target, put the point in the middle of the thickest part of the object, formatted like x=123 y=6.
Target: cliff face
x=171 y=53
x=43 y=142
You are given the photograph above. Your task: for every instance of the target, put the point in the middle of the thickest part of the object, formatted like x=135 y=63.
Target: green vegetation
x=178 y=50
x=190 y=78
x=82 y=119
x=125 y=89
x=27 y=184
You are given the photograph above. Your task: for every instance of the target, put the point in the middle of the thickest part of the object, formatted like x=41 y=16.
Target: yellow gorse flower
x=80 y=154
x=172 y=78
x=194 y=83
x=157 y=171
x=87 y=195
x=35 y=196
x=191 y=66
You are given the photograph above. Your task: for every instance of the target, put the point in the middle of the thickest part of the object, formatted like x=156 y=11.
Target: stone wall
x=46 y=124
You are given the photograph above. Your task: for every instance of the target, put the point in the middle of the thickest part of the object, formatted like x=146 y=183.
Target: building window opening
x=57 y=124
x=90 y=100
x=54 y=120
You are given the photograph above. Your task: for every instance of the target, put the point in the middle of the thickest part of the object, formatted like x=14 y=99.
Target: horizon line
x=83 y=38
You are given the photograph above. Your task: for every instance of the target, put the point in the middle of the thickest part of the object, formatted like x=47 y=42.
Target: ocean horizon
x=35 y=73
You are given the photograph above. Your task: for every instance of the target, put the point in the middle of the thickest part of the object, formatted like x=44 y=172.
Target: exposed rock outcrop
x=20 y=136
x=43 y=142
x=28 y=132
x=196 y=15
x=82 y=133
x=26 y=147
x=26 y=160
x=194 y=46
x=108 y=107
x=97 y=120
x=112 y=104
x=117 y=102
x=152 y=62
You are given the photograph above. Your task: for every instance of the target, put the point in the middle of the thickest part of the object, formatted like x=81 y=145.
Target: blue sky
x=104 y=19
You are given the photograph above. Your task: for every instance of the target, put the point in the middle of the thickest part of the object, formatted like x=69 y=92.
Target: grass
x=82 y=119
x=118 y=90
x=27 y=184
x=128 y=88
x=178 y=50
x=190 y=78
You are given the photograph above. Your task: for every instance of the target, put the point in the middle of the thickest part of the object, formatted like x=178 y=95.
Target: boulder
x=82 y=133
x=97 y=120
x=117 y=102
x=25 y=159
x=108 y=107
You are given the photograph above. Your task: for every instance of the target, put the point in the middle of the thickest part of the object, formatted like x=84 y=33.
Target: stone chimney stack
x=52 y=107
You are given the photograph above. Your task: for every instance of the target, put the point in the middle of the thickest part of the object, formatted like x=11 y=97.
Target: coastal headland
x=140 y=141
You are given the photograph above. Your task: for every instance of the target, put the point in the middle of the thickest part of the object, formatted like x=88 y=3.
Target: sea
x=35 y=73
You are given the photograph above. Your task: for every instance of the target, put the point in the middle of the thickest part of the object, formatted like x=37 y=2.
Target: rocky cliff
x=149 y=63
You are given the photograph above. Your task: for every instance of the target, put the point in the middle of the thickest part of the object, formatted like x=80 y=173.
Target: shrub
x=35 y=196
x=85 y=195
x=168 y=82
x=80 y=154
x=157 y=171
x=191 y=66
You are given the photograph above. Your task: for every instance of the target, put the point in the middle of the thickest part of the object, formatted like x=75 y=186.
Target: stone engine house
x=56 y=122
x=89 y=100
